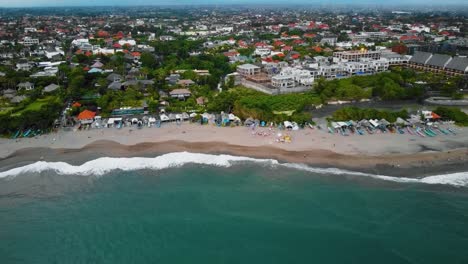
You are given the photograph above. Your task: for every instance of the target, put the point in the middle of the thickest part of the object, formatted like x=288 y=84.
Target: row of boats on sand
x=346 y=128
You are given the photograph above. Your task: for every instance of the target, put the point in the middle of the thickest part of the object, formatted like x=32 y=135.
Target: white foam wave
x=105 y=165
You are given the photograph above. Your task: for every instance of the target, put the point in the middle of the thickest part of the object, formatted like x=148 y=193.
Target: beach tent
x=384 y=122
x=374 y=122
x=335 y=125
x=163 y=117
x=414 y=119
x=234 y=118
x=364 y=123
x=342 y=124
x=249 y=121
x=206 y=116
x=351 y=123
x=185 y=116
x=288 y=124
x=295 y=126
x=172 y=117
x=401 y=121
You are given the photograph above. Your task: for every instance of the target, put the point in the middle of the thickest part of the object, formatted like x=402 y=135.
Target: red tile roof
x=86 y=114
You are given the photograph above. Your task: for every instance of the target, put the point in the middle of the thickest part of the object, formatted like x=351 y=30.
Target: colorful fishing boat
x=428 y=133
x=418 y=131
x=16 y=134
x=25 y=134
x=445 y=132
x=410 y=131
x=432 y=131
x=451 y=131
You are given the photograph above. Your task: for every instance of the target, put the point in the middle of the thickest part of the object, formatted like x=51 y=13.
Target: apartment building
x=356 y=55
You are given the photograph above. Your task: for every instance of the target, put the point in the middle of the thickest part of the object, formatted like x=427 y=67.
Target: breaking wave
x=105 y=165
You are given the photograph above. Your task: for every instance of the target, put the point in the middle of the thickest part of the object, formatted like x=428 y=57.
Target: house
x=181 y=94
x=97 y=64
x=173 y=78
x=185 y=83
x=248 y=69
x=127 y=41
x=27 y=41
x=282 y=81
x=166 y=38
x=115 y=86
x=51 y=88
x=24 y=66
x=26 y=86
x=138 y=83
x=9 y=93
x=330 y=40
x=201 y=100
x=114 y=77
x=18 y=99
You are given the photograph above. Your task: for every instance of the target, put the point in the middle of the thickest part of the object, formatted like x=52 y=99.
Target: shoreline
x=397 y=165
x=385 y=154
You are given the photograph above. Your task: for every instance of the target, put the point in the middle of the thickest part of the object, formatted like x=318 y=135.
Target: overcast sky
x=29 y=3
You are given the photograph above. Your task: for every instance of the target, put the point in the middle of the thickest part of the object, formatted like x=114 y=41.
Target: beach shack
x=86 y=117
x=114 y=121
x=430 y=116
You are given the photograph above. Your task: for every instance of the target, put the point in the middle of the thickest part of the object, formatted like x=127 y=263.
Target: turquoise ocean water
x=245 y=213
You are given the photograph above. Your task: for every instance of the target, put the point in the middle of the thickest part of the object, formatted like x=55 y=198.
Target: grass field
x=36 y=105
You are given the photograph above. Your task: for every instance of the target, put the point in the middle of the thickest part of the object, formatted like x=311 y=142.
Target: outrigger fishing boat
x=451 y=131
x=432 y=131
x=330 y=130
x=445 y=132
x=360 y=132
x=410 y=131
x=16 y=134
x=418 y=131
x=343 y=132
x=427 y=132
x=25 y=134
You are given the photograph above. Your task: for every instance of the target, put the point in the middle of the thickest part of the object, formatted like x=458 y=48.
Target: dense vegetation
x=39 y=114
x=355 y=113
x=453 y=113
x=247 y=103
x=395 y=85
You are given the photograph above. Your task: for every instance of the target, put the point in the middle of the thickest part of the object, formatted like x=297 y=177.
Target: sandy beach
x=392 y=154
